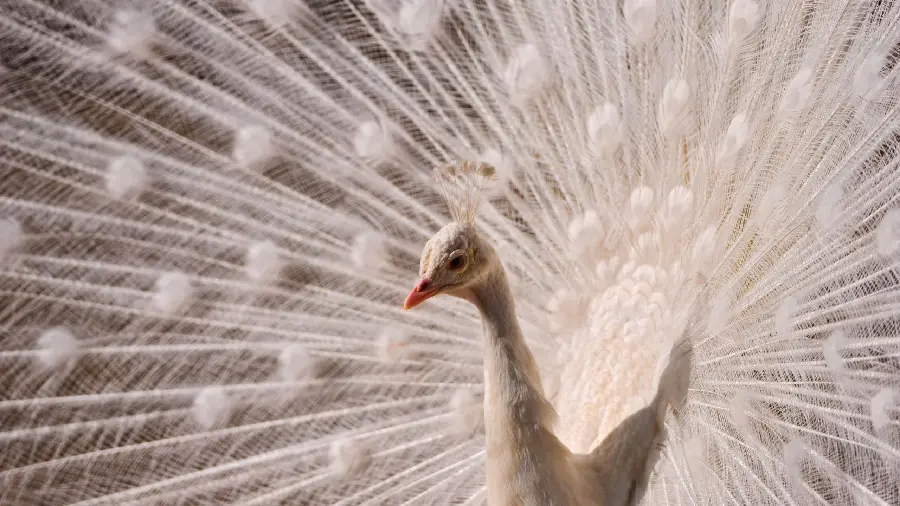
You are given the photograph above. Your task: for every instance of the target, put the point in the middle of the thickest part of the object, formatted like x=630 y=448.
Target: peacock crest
x=462 y=185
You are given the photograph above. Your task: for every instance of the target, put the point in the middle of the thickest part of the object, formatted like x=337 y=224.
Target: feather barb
x=461 y=184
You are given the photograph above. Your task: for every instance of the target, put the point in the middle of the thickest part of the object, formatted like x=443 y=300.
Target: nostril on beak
x=423 y=285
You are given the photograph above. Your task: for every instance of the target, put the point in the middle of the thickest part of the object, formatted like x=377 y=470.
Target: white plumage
x=223 y=203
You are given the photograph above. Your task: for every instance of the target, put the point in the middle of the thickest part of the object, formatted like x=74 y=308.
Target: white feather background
x=211 y=210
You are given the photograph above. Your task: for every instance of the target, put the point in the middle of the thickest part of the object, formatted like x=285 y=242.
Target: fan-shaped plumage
x=211 y=210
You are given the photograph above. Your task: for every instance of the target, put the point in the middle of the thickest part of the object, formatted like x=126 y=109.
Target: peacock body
x=211 y=210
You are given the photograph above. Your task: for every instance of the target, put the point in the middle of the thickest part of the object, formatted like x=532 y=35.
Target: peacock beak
x=419 y=294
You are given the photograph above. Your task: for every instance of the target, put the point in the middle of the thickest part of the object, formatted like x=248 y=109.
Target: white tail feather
x=211 y=210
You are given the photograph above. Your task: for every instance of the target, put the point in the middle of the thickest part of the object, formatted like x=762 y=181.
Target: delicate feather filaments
x=816 y=82
x=462 y=184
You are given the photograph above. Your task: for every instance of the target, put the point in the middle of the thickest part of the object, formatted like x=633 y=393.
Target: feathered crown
x=461 y=185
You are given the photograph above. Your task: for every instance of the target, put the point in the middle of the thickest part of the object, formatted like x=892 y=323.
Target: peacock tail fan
x=211 y=210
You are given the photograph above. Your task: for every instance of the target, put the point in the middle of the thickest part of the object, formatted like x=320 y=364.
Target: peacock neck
x=508 y=361
x=518 y=419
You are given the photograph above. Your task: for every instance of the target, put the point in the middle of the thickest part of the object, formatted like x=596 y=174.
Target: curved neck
x=518 y=419
x=503 y=338
x=494 y=301
x=511 y=373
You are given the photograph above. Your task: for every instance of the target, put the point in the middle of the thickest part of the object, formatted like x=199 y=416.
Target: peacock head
x=455 y=259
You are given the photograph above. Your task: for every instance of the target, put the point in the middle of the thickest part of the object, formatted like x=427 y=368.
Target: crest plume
x=461 y=184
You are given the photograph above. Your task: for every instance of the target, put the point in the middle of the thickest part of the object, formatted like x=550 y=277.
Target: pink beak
x=419 y=294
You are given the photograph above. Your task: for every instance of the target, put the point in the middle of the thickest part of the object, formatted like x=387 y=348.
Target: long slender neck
x=508 y=361
x=524 y=458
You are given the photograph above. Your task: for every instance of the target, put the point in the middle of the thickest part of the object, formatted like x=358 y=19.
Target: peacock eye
x=457 y=262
